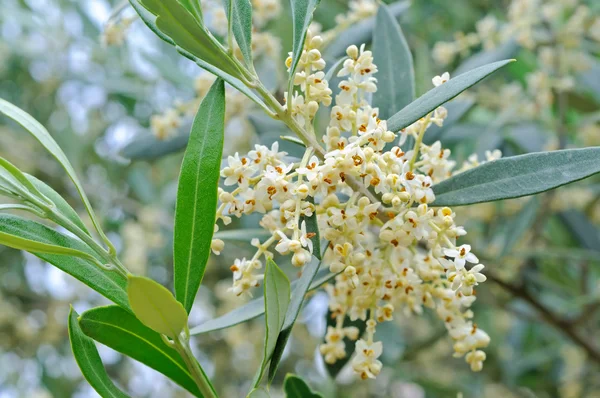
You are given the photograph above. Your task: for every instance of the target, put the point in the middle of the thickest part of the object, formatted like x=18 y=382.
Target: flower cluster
x=554 y=30
x=391 y=251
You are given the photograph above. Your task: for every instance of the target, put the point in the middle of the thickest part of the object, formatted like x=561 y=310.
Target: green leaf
x=110 y=284
x=253 y=309
x=396 y=75
x=302 y=15
x=176 y=22
x=517 y=176
x=519 y=224
x=581 y=227
x=440 y=95
x=156 y=307
x=89 y=361
x=193 y=6
x=44 y=137
x=197 y=195
x=277 y=300
x=150 y=20
x=295 y=387
x=240 y=21
x=312 y=227
x=123 y=332
x=147 y=146
x=35 y=244
x=360 y=32
x=308 y=274
x=61 y=204
x=19 y=180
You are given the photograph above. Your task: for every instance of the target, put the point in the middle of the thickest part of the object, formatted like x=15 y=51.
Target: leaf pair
x=137 y=336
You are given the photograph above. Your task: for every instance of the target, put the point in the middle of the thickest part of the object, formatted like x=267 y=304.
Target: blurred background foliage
x=101 y=103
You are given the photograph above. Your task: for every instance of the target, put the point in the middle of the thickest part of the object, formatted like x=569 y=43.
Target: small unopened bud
x=388 y=136
x=217 y=246
x=352 y=51
x=226 y=197
x=388 y=197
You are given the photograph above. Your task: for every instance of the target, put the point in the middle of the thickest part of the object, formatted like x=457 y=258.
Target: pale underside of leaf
x=517 y=176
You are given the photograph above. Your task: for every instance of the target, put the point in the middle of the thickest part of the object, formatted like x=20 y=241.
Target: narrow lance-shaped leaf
x=254 y=308
x=110 y=284
x=123 y=332
x=295 y=387
x=277 y=300
x=21 y=179
x=308 y=274
x=44 y=137
x=150 y=20
x=89 y=361
x=197 y=195
x=240 y=20
x=302 y=15
x=176 y=22
x=193 y=6
x=34 y=244
x=395 y=75
x=440 y=95
x=517 y=176
x=156 y=307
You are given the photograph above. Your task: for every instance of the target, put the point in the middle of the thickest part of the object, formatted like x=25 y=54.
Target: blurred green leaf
x=277 y=300
x=89 y=361
x=197 y=195
x=295 y=387
x=123 y=332
x=517 y=176
x=440 y=95
x=148 y=147
x=110 y=284
x=582 y=229
x=155 y=306
x=395 y=75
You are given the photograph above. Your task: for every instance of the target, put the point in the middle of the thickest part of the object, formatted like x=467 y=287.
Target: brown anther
x=375 y=181
x=234 y=268
x=409 y=289
x=310 y=235
x=395 y=242
x=410 y=176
